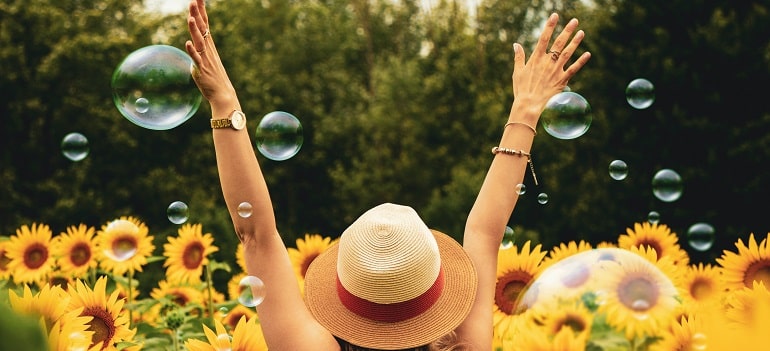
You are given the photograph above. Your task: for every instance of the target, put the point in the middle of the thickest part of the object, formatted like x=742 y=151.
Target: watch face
x=238 y=120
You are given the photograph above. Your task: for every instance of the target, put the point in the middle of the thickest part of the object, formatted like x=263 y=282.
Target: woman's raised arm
x=286 y=322
x=534 y=82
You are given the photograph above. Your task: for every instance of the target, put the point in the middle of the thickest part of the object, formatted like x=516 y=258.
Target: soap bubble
x=252 y=291
x=153 y=87
x=244 y=209
x=567 y=115
x=279 y=136
x=700 y=236
x=653 y=217
x=667 y=185
x=640 y=93
x=74 y=146
x=177 y=212
x=509 y=238
x=521 y=189
x=605 y=282
x=618 y=169
x=124 y=246
x=542 y=198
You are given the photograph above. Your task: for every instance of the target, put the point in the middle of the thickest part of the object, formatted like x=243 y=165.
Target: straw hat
x=391 y=282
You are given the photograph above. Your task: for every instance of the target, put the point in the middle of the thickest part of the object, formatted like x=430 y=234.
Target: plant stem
x=130 y=298
x=211 y=296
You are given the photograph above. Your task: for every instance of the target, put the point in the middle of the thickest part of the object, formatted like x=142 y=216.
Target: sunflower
x=5 y=272
x=515 y=271
x=247 y=336
x=172 y=295
x=234 y=288
x=659 y=237
x=557 y=253
x=640 y=299
x=687 y=334
x=306 y=251
x=240 y=258
x=123 y=244
x=742 y=305
x=67 y=336
x=109 y=322
x=187 y=254
x=701 y=284
x=74 y=251
x=751 y=263
x=230 y=320
x=664 y=263
x=30 y=254
x=575 y=316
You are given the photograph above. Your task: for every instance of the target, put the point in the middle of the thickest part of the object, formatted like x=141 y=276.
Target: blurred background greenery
x=398 y=104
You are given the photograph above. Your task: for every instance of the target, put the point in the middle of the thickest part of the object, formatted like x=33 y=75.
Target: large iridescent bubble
x=619 y=288
x=153 y=87
x=567 y=115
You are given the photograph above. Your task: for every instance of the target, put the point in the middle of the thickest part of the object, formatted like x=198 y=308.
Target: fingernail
x=554 y=16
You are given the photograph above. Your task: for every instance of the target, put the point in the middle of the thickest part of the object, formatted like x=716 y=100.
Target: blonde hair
x=449 y=342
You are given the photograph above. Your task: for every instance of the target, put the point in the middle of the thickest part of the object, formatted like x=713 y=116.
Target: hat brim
x=444 y=316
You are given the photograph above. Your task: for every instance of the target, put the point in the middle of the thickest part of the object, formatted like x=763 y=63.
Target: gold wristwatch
x=236 y=120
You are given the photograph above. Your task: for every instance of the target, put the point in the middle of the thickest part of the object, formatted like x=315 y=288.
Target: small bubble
x=640 y=93
x=701 y=236
x=667 y=185
x=252 y=291
x=542 y=198
x=279 y=136
x=74 y=146
x=567 y=115
x=244 y=209
x=618 y=169
x=142 y=105
x=521 y=189
x=509 y=238
x=653 y=217
x=177 y=212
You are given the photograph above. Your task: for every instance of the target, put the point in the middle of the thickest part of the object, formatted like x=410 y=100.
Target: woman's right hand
x=208 y=72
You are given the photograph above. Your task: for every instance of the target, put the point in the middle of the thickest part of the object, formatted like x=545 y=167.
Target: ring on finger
x=554 y=54
x=206 y=34
x=201 y=51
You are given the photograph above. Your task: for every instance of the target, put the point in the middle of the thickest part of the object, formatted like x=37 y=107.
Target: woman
x=391 y=283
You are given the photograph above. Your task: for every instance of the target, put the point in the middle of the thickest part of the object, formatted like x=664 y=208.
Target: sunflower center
x=80 y=254
x=508 y=288
x=123 y=248
x=573 y=322
x=306 y=263
x=180 y=298
x=638 y=293
x=102 y=325
x=701 y=289
x=193 y=255
x=35 y=256
x=757 y=271
x=59 y=281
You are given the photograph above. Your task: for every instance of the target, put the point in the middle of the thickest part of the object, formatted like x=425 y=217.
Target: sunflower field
x=78 y=288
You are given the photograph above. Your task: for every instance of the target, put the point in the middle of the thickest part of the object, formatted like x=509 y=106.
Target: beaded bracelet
x=520 y=153
x=522 y=123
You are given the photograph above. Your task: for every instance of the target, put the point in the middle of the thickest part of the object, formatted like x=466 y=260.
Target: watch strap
x=221 y=123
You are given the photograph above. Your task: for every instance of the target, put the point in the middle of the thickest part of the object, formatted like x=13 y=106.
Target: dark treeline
x=398 y=104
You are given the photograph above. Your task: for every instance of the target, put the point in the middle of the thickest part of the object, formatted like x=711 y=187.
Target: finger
x=519 y=57
x=195 y=12
x=561 y=40
x=571 y=48
x=196 y=35
x=202 y=10
x=578 y=64
x=545 y=36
